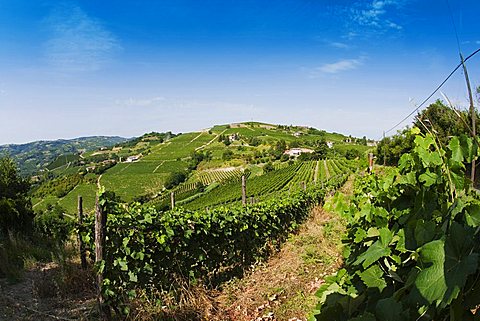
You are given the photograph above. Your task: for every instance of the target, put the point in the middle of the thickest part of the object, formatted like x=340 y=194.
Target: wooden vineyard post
x=384 y=150
x=252 y=200
x=244 y=191
x=304 y=186
x=83 y=257
x=472 y=114
x=100 y=228
x=370 y=162
x=172 y=200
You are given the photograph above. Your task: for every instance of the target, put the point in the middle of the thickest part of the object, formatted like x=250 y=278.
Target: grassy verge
x=284 y=287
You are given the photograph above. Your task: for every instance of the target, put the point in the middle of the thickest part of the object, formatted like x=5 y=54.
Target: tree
x=443 y=121
x=321 y=148
x=268 y=167
x=227 y=155
x=437 y=118
x=174 y=179
x=16 y=212
x=390 y=149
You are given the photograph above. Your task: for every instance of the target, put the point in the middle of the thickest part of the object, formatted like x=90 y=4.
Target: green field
x=216 y=180
x=286 y=179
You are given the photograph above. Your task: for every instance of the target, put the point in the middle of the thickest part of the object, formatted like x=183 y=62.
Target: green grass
x=62 y=161
x=70 y=201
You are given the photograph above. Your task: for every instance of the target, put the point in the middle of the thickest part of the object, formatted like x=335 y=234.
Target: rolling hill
x=212 y=161
x=35 y=156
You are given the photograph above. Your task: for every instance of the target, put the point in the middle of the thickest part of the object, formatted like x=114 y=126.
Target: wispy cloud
x=140 y=102
x=337 y=67
x=339 y=45
x=176 y=103
x=78 y=42
x=374 y=14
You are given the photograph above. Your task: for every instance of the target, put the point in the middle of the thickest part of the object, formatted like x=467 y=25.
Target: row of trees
x=437 y=118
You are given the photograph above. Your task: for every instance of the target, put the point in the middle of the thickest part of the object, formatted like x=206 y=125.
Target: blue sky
x=80 y=68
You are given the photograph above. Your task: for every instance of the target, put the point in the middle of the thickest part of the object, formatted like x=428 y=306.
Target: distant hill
x=149 y=167
x=34 y=156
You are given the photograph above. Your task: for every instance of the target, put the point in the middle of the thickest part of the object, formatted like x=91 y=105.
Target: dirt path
x=163 y=162
x=315 y=175
x=213 y=139
x=327 y=172
x=38 y=297
x=196 y=137
x=284 y=287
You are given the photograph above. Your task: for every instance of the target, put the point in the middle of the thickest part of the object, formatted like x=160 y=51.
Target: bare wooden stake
x=472 y=113
x=100 y=229
x=83 y=257
x=384 y=150
x=244 y=191
x=370 y=162
x=304 y=186
x=172 y=200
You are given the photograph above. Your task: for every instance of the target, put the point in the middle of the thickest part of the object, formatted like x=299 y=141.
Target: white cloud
x=339 y=45
x=78 y=42
x=140 y=102
x=172 y=103
x=373 y=14
x=338 y=66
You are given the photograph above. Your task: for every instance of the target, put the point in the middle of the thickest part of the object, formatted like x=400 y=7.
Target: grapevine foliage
x=152 y=250
x=412 y=248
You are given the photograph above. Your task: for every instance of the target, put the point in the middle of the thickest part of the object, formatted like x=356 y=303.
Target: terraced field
x=219 y=175
x=286 y=179
x=148 y=175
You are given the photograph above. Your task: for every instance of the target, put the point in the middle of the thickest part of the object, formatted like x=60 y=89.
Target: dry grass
x=284 y=287
x=191 y=303
x=286 y=284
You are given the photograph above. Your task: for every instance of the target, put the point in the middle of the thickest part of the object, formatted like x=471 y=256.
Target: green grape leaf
x=468 y=148
x=458 y=180
x=389 y=310
x=372 y=277
x=132 y=276
x=373 y=254
x=472 y=215
x=424 y=232
x=428 y=178
x=447 y=264
x=457 y=153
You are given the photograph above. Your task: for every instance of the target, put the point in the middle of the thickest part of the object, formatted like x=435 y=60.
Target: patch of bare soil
x=48 y=292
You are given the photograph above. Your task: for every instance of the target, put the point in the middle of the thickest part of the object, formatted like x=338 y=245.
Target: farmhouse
x=131 y=159
x=330 y=144
x=297 y=151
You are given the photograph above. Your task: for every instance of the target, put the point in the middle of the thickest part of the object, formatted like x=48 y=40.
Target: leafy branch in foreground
x=412 y=249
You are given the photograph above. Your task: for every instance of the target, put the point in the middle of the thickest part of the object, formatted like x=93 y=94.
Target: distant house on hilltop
x=330 y=144
x=295 y=152
x=131 y=159
x=297 y=134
